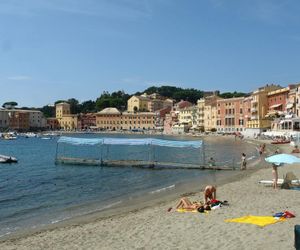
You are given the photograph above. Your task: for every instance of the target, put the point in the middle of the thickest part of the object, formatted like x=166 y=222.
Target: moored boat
x=8 y=159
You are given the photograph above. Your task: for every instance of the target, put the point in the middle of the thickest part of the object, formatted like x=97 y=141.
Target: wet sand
x=155 y=228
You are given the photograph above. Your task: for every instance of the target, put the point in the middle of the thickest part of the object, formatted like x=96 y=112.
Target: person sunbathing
x=187 y=204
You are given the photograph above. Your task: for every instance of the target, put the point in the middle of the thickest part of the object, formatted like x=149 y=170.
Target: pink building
x=230 y=115
x=278 y=100
x=87 y=121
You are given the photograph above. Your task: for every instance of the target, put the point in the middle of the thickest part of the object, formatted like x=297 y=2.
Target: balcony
x=254 y=117
x=254 y=110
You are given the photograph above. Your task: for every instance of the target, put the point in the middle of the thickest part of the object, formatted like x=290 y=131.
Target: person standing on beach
x=244 y=162
x=275 y=172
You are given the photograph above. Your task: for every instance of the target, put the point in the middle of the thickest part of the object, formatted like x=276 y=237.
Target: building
x=230 y=115
x=247 y=110
x=22 y=120
x=37 y=121
x=18 y=120
x=297 y=106
x=200 y=114
x=52 y=123
x=161 y=116
x=210 y=112
x=259 y=121
x=113 y=119
x=70 y=122
x=277 y=102
x=109 y=119
x=188 y=116
x=87 y=121
x=137 y=103
x=178 y=129
x=4 y=119
x=61 y=109
x=139 y=121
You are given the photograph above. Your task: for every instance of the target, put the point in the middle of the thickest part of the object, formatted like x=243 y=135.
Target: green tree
x=227 y=95
x=88 y=106
x=11 y=104
x=74 y=105
x=48 y=111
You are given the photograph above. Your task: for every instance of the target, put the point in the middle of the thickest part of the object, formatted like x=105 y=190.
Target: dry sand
x=155 y=228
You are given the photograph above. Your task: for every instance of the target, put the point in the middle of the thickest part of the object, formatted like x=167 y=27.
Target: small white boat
x=7 y=159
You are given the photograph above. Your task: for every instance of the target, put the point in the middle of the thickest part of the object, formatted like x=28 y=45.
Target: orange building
x=230 y=115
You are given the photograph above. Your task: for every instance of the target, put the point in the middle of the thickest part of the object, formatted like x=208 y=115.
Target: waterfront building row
x=107 y=119
x=22 y=120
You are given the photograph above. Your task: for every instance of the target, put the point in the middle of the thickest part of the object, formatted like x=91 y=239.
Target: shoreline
x=182 y=189
x=96 y=218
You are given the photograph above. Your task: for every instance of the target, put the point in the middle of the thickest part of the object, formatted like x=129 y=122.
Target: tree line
x=118 y=99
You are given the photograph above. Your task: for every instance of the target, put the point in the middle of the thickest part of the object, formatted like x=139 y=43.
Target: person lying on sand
x=187 y=204
x=210 y=193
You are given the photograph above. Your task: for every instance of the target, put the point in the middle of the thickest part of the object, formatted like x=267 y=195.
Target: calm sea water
x=36 y=192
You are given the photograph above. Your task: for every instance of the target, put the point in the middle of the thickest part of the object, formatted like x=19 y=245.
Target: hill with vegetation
x=118 y=99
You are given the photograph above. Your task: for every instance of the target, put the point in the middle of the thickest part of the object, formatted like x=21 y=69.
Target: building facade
x=113 y=119
x=4 y=119
x=230 y=115
x=259 y=108
x=137 y=103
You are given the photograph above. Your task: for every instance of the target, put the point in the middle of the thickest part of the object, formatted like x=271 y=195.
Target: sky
x=60 y=49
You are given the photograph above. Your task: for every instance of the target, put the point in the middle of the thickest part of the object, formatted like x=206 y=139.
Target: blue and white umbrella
x=282 y=159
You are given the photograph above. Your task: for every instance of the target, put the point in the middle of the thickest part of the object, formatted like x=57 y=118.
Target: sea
x=36 y=192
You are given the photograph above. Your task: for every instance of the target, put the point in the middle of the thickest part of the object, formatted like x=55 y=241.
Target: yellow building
x=137 y=103
x=66 y=120
x=113 y=119
x=259 y=108
x=207 y=112
x=61 y=109
x=109 y=119
x=139 y=120
x=69 y=122
x=210 y=112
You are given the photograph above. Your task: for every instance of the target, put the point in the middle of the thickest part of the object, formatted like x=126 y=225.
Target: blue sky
x=59 y=49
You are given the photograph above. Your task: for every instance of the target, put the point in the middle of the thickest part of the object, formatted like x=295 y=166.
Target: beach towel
x=184 y=210
x=256 y=220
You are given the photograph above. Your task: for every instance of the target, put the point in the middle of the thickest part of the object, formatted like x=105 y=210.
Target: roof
x=109 y=111
x=143 y=98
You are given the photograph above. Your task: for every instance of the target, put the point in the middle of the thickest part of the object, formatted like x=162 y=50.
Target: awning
x=289 y=105
x=275 y=106
x=130 y=142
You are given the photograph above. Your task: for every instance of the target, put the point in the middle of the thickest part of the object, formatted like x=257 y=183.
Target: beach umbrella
x=282 y=158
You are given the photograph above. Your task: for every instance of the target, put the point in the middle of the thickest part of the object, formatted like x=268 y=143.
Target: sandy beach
x=155 y=228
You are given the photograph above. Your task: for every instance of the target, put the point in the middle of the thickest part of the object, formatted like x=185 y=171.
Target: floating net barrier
x=135 y=152
x=130 y=152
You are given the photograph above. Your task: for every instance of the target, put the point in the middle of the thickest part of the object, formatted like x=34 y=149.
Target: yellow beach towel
x=183 y=210
x=256 y=220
